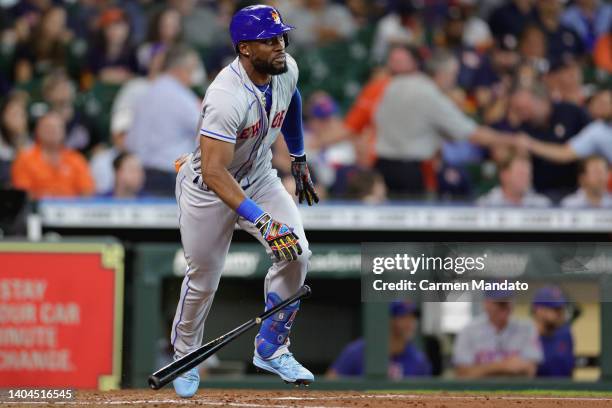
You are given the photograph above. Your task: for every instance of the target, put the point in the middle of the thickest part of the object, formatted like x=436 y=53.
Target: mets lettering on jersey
x=233 y=112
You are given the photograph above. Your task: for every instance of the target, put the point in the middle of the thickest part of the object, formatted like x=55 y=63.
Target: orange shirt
x=361 y=115
x=33 y=173
x=362 y=112
x=602 y=53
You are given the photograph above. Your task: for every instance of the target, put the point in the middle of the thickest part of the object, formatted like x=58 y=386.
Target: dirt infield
x=311 y=399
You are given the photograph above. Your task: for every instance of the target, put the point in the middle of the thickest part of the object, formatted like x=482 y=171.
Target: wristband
x=300 y=158
x=250 y=210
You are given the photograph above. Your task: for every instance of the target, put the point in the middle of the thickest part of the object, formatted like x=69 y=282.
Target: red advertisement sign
x=60 y=315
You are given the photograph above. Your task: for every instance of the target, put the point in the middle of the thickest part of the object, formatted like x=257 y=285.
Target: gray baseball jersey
x=233 y=111
x=480 y=342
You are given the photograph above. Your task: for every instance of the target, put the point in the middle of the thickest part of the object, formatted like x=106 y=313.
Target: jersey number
x=278 y=119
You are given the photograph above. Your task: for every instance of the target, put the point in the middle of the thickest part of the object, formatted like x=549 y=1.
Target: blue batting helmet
x=257 y=23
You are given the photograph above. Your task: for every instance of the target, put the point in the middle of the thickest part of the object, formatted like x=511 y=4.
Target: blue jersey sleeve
x=292 y=126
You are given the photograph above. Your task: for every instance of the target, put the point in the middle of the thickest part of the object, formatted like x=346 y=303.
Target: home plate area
x=312 y=399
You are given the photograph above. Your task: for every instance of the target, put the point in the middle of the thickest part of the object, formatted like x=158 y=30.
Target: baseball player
x=229 y=179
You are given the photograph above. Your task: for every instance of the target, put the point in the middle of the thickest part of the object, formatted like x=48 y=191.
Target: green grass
x=531 y=393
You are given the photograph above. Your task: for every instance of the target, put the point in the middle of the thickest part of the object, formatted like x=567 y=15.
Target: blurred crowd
x=496 y=343
x=497 y=102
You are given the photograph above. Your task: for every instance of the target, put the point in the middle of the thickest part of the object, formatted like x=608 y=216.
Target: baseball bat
x=168 y=373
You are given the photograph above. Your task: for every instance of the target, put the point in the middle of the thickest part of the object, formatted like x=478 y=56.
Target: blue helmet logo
x=257 y=23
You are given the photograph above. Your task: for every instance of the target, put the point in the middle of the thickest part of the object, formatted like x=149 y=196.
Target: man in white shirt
x=515 y=175
x=593 y=179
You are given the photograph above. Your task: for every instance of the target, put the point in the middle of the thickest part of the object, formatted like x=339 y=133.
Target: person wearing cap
x=548 y=308
x=405 y=359
x=495 y=344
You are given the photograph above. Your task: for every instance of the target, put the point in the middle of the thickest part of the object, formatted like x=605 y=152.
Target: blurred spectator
x=515 y=174
x=413 y=119
x=164 y=128
x=549 y=122
x=402 y=26
x=533 y=48
x=122 y=118
x=129 y=177
x=45 y=49
x=319 y=22
x=476 y=31
x=49 y=169
x=596 y=138
x=593 y=181
x=508 y=21
x=602 y=53
x=165 y=30
x=31 y=8
x=324 y=152
x=111 y=56
x=561 y=39
x=362 y=11
x=495 y=344
x=462 y=28
x=494 y=77
x=468 y=37
x=358 y=124
x=14 y=132
x=25 y=15
x=201 y=26
x=590 y=19
x=405 y=359
x=564 y=81
x=549 y=309
x=366 y=186
x=59 y=94
x=599 y=105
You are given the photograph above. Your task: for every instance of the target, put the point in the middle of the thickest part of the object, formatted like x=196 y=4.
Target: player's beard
x=265 y=67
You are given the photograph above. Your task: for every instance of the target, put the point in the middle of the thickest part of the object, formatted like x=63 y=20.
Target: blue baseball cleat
x=187 y=384
x=286 y=367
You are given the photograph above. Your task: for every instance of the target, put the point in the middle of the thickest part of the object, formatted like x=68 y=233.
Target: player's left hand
x=280 y=237
x=304 y=188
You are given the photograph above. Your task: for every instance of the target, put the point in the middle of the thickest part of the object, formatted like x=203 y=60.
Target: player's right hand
x=280 y=237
